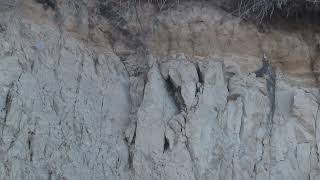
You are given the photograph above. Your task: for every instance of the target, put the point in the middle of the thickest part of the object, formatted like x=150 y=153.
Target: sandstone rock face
x=74 y=107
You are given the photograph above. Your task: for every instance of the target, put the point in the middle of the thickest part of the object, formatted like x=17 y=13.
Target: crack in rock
x=267 y=72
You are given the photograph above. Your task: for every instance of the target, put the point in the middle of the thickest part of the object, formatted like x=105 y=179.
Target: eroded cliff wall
x=92 y=90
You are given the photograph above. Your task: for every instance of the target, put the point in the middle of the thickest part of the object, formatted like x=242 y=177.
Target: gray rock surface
x=71 y=109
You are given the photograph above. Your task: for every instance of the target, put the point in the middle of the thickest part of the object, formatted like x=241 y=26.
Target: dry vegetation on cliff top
x=266 y=9
x=259 y=10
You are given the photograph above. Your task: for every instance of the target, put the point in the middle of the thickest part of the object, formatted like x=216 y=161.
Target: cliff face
x=91 y=90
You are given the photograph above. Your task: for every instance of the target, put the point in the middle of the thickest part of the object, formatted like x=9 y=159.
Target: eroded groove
x=200 y=76
x=49 y=175
x=136 y=93
x=316 y=127
x=193 y=160
x=166 y=144
x=96 y=64
x=131 y=149
x=199 y=87
x=242 y=120
x=7 y=107
x=29 y=142
x=267 y=72
x=175 y=93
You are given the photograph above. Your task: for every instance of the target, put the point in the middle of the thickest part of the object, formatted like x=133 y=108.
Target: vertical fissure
x=29 y=143
x=166 y=144
x=7 y=107
x=175 y=93
x=267 y=72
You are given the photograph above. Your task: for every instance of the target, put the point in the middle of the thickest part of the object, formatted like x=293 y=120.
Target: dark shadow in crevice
x=166 y=144
x=48 y=4
x=175 y=93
